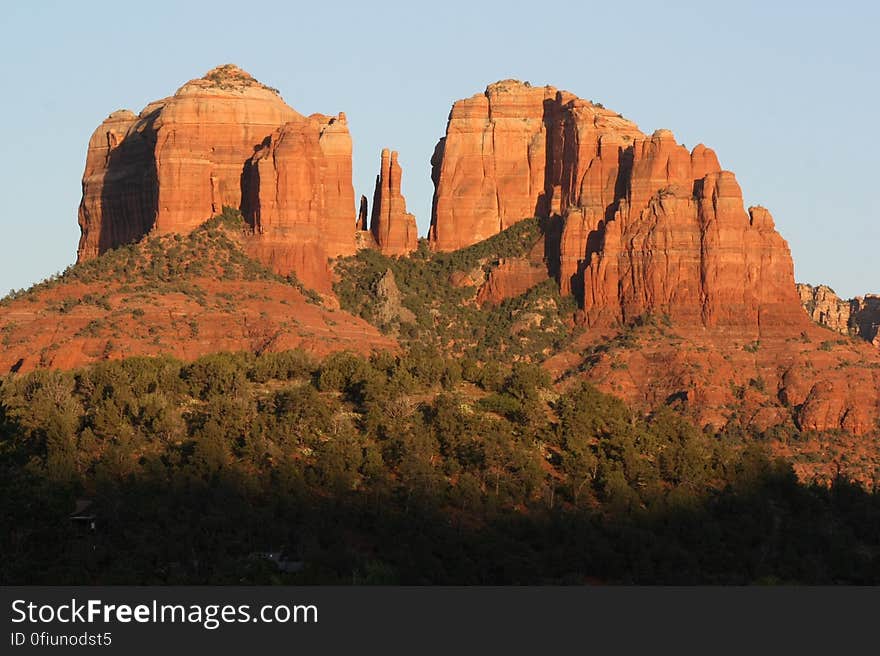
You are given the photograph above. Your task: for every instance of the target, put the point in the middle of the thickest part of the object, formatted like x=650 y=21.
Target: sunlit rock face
x=184 y=158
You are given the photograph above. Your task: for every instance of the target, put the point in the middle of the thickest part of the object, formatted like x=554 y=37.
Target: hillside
x=409 y=469
x=493 y=300
x=172 y=294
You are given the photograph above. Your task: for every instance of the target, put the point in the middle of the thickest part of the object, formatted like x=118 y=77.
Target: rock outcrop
x=393 y=228
x=389 y=306
x=517 y=151
x=362 y=215
x=866 y=317
x=489 y=171
x=695 y=256
x=299 y=198
x=647 y=226
x=183 y=158
x=120 y=187
x=825 y=307
x=856 y=317
x=510 y=278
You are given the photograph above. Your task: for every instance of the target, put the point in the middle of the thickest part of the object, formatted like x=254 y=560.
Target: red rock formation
x=700 y=259
x=637 y=226
x=866 y=317
x=518 y=151
x=183 y=158
x=825 y=307
x=605 y=158
x=579 y=236
x=176 y=164
x=362 y=215
x=491 y=170
x=299 y=198
x=626 y=183
x=648 y=226
x=858 y=317
x=205 y=133
x=510 y=278
x=119 y=181
x=392 y=226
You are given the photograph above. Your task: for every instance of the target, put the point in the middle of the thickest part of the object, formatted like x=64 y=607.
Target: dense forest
x=407 y=468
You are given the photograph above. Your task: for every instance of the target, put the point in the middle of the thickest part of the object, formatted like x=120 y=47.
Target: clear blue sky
x=787 y=95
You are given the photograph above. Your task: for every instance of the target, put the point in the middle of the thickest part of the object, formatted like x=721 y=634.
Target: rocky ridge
x=643 y=224
x=185 y=296
x=856 y=317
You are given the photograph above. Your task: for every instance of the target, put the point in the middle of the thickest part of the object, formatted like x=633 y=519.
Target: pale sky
x=787 y=95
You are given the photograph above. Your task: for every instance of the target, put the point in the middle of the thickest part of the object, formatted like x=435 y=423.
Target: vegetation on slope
x=154 y=296
x=409 y=468
x=395 y=469
x=168 y=263
x=528 y=327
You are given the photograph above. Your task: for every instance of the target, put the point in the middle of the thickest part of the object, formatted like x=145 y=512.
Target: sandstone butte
x=393 y=228
x=224 y=140
x=644 y=224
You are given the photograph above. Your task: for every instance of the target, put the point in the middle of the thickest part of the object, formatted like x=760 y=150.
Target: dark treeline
x=407 y=469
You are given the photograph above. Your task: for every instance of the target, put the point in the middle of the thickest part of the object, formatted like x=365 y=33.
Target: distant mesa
x=856 y=317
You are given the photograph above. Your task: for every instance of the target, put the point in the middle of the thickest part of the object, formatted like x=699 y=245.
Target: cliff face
x=299 y=198
x=856 y=317
x=509 y=278
x=490 y=173
x=696 y=257
x=518 y=151
x=393 y=228
x=119 y=181
x=182 y=159
x=866 y=317
x=825 y=307
x=646 y=225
